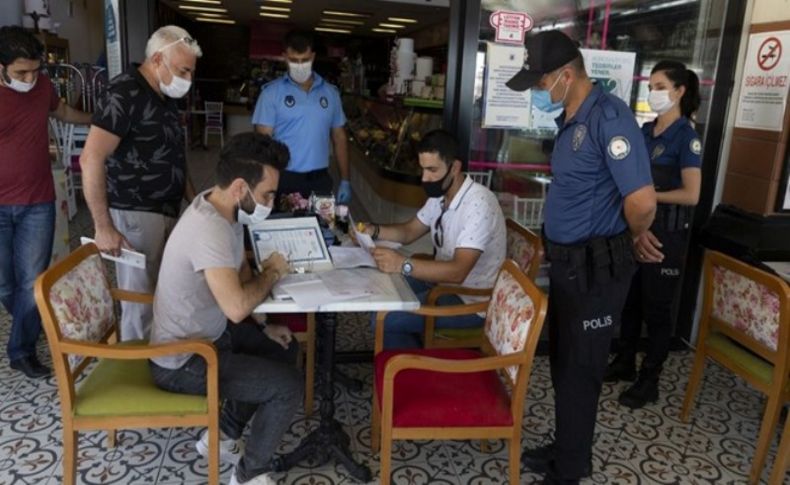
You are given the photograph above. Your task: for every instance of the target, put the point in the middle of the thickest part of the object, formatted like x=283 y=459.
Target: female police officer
x=674 y=149
x=601 y=197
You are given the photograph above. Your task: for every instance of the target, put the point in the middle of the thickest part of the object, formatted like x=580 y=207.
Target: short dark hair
x=578 y=65
x=299 y=41
x=681 y=76
x=441 y=142
x=18 y=43
x=245 y=155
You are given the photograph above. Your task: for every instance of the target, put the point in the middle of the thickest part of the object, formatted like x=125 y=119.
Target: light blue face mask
x=541 y=98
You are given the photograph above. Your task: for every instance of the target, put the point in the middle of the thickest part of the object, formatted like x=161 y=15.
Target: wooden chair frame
x=429 y=337
x=61 y=348
x=382 y=432
x=307 y=339
x=777 y=390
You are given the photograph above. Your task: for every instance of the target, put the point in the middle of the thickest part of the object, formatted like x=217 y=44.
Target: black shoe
x=622 y=368
x=552 y=479
x=540 y=460
x=30 y=366
x=644 y=391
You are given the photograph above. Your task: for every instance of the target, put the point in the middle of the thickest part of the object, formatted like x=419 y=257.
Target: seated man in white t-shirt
x=206 y=290
x=468 y=233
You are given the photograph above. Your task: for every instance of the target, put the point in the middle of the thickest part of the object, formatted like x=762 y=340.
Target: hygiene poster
x=612 y=70
x=503 y=107
x=764 y=86
x=112 y=34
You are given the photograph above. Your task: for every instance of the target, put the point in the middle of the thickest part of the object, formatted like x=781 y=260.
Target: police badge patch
x=657 y=151
x=578 y=137
x=619 y=147
x=695 y=146
x=290 y=101
x=324 y=102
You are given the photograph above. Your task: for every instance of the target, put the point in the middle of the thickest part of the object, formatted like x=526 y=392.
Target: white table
x=329 y=440
x=782 y=268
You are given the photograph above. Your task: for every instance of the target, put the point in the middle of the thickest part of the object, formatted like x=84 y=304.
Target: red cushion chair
x=458 y=393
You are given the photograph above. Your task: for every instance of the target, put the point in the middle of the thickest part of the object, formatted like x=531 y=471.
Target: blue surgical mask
x=541 y=98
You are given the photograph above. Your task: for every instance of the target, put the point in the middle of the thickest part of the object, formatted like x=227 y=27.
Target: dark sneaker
x=30 y=366
x=538 y=459
x=643 y=391
x=552 y=479
x=622 y=368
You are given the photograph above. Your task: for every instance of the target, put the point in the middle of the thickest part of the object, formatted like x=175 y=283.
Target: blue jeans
x=403 y=330
x=26 y=233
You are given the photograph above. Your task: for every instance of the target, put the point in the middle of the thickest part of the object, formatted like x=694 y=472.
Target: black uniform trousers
x=588 y=288
x=318 y=181
x=652 y=299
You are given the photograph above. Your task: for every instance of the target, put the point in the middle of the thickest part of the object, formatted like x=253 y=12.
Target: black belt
x=312 y=175
x=600 y=258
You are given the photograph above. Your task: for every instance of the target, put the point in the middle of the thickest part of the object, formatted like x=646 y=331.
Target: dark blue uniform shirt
x=599 y=158
x=678 y=147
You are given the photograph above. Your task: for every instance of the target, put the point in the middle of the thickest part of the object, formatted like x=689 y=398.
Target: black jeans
x=652 y=299
x=585 y=304
x=318 y=181
x=258 y=381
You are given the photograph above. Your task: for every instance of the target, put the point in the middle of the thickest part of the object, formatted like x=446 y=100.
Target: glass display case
x=388 y=132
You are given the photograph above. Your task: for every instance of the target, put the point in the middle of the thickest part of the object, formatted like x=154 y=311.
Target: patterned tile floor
x=648 y=446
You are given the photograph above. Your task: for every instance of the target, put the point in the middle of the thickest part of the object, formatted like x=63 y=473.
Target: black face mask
x=437 y=188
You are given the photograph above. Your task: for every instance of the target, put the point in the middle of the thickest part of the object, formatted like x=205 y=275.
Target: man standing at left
x=134 y=164
x=27 y=191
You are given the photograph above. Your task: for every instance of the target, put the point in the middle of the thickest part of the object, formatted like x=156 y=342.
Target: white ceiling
x=308 y=13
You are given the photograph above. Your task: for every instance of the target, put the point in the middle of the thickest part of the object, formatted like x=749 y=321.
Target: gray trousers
x=147 y=232
x=260 y=384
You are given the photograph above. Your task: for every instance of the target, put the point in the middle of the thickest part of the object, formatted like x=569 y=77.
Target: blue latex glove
x=344 y=192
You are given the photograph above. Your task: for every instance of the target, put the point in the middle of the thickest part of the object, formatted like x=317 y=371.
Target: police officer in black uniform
x=600 y=200
x=674 y=148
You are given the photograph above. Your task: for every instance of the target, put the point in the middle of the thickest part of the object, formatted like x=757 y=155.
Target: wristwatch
x=406 y=268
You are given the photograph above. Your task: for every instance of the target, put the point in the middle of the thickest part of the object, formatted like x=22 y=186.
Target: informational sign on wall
x=112 y=34
x=503 y=107
x=765 y=82
x=510 y=26
x=612 y=70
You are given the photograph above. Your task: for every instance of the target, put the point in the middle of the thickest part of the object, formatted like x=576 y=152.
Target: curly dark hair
x=18 y=43
x=245 y=155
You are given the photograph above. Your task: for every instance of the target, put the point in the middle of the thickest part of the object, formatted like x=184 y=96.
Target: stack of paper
x=351 y=257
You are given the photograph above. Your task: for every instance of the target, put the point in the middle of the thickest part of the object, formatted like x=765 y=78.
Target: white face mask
x=660 y=101
x=300 y=72
x=178 y=86
x=18 y=86
x=260 y=214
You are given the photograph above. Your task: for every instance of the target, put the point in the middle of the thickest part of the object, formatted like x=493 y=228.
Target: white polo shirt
x=473 y=220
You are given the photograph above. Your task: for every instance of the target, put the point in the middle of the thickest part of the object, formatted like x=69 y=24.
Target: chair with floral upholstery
x=77 y=307
x=525 y=248
x=461 y=393
x=744 y=327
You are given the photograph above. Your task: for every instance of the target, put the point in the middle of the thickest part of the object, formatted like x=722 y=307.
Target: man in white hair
x=134 y=164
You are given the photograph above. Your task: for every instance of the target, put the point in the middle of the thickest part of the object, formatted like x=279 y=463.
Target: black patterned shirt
x=146 y=172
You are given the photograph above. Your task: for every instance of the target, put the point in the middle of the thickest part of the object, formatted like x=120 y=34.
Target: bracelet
x=376 y=232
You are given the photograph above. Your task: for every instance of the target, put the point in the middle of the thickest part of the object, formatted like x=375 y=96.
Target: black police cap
x=545 y=52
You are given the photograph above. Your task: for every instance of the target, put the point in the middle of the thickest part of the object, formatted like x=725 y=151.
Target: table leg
x=329 y=440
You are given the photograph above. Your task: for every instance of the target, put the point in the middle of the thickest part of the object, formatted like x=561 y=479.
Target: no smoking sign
x=769 y=53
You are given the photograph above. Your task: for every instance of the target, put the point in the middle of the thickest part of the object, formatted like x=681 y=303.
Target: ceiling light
x=275 y=15
x=343 y=21
x=203 y=9
x=276 y=9
x=216 y=21
x=392 y=26
x=206 y=14
x=278 y=1
x=340 y=13
x=215 y=2
x=402 y=20
x=336 y=31
x=385 y=31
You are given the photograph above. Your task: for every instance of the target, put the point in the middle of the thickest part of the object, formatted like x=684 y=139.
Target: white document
x=364 y=240
x=279 y=291
x=311 y=294
x=503 y=107
x=131 y=258
x=299 y=239
x=351 y=257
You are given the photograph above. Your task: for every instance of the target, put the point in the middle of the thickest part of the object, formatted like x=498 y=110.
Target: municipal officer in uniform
x=600 y=200
x=303 y=111
x=674 y=149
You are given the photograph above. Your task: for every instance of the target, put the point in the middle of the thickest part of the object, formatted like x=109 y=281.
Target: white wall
x=10 y=12
x=770 y=11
